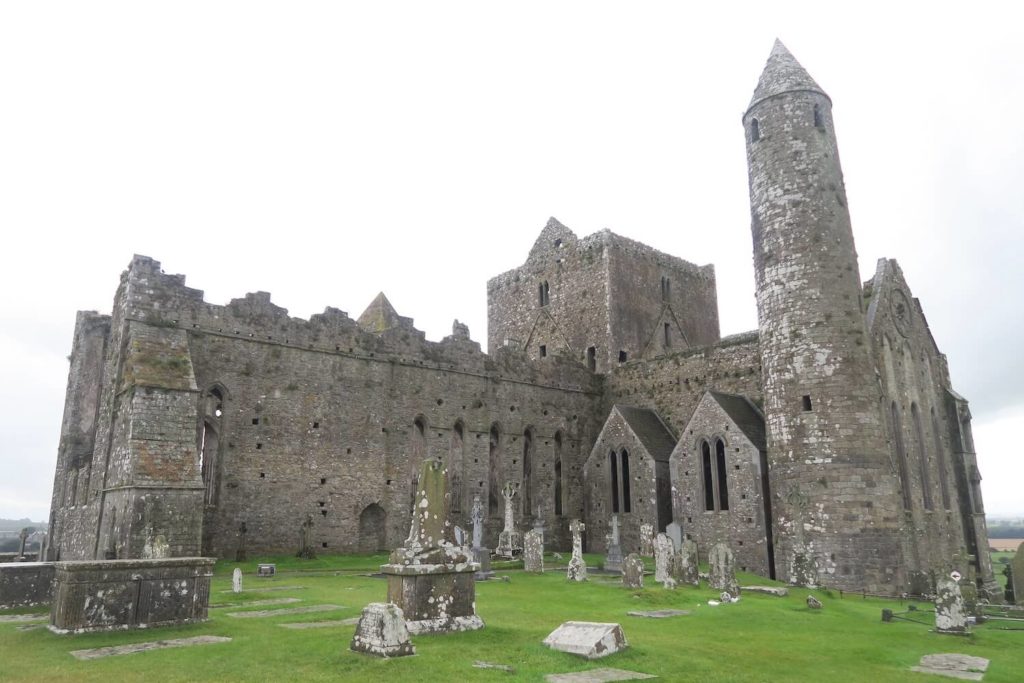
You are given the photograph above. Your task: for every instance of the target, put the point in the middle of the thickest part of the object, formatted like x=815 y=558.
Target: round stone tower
x=833 y=491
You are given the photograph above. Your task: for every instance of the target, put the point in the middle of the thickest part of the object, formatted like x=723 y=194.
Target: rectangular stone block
x=116 y=594
x=25 y=584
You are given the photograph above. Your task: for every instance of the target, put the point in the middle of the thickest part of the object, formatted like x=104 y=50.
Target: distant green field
x=761 y=638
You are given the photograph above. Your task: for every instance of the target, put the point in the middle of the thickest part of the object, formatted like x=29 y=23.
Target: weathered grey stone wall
x=830 y=462
x=25 y=584
x=603 y=291
x=616 y=436
x=742 y=525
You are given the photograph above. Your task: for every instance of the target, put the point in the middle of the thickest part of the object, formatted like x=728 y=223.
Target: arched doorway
x=372 y=529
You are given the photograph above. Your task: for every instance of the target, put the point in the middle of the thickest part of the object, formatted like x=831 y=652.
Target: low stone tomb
x=633 y=571
x=266 y=569
x=430 y=577
x=597 y=676
x=533 y=551
x=589 y=639
x=25 y=584
x=950 y=614
x=964 y=667
x=115 y=594
x=382 y=631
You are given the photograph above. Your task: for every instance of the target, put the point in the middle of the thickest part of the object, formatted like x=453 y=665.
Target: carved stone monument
x=236 y=581
x=663 y=553
x=431 y=577
x=306 y=551
x=382 y=631
x=685 y=568
x=646 y=540
x=509 y=542
x=577 y=570
x=613 y=553
x=722 y=569
x=633 y=572
x=533 y=551
x=481 y=554
x=950 y=614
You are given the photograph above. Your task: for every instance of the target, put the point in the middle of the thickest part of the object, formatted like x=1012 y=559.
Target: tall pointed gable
x=782 y=74
x=379 y=316
x=552 y=239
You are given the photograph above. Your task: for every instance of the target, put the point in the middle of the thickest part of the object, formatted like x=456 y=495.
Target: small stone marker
x=381 y=631
x=675 y=532
x=1017 y=574
x=633 y=572
x=722 y=565
x=589 y=639
x=646 y=540
x=950 y=615
x=685 y=568
x=597 y=676
x=100 y=652
x=663 y=553
x=964 y=667
x=236 y=581
x=777 y=591
x=659 y=613
x=813 y=602
x=266 y=569
x=577 y=570
x=533 y=551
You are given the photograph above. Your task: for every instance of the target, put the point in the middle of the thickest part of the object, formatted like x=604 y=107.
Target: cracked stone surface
x=100 y=652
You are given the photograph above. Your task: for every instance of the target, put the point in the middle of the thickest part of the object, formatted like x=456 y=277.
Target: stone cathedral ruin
x=826 y=447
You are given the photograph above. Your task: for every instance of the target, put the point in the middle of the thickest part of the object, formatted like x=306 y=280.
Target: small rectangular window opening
x=543 y=351
x=622 y=356
x=668 y=336
x=592 y=358
x=807 y=403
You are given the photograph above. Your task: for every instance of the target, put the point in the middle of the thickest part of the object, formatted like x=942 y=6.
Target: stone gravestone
x=22 y=538
x=722 y=569
x=589 y=639
x=430 y=577
x=613 y=553
x=577 y=570
x=950 y=614
x=306 y=551
x=803 y=570
x=266 y=569
x=633 y=571
x=663 y=552
x=240 y=554
x=481 y=555
x=382 y=632
x=646 y=540
x=533 y=551
x=685 y=568
x=509 y=544
x=236 y=581
x=675 y=532
x=1017 y=574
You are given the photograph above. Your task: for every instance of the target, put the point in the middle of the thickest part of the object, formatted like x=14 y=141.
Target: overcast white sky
x=327 y=151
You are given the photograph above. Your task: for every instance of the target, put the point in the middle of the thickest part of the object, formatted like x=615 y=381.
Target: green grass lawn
x=761 y=638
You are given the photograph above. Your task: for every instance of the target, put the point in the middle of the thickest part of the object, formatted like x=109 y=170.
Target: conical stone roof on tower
x=783 y=73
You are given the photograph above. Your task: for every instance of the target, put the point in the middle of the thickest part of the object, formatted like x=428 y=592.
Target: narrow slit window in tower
x=819 y=122
x=709 y=488
x=626 y=502
x=592 y=358
x=615 y=481
x=543 y=351
x=807 y=403
x=622 y=356
x=755 y=130
x=668 y=336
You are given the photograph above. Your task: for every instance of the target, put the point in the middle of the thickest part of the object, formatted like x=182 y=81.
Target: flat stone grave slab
x=258 y=603
x=659 y=613
x=264 y=589
x=777 y=591
x=100 y=652
x=287 y=610
x=964 y=667
x=303 y=625
x=597 y=676
x=491 y=665
x=22 y=618
x=590 y=639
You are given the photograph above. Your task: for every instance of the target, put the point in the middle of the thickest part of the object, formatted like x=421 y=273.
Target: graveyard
x=308 y=609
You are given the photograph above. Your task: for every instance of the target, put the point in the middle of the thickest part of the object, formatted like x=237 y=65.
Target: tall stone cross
x=509 y=492
x=477 y=516
x=577 y=569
